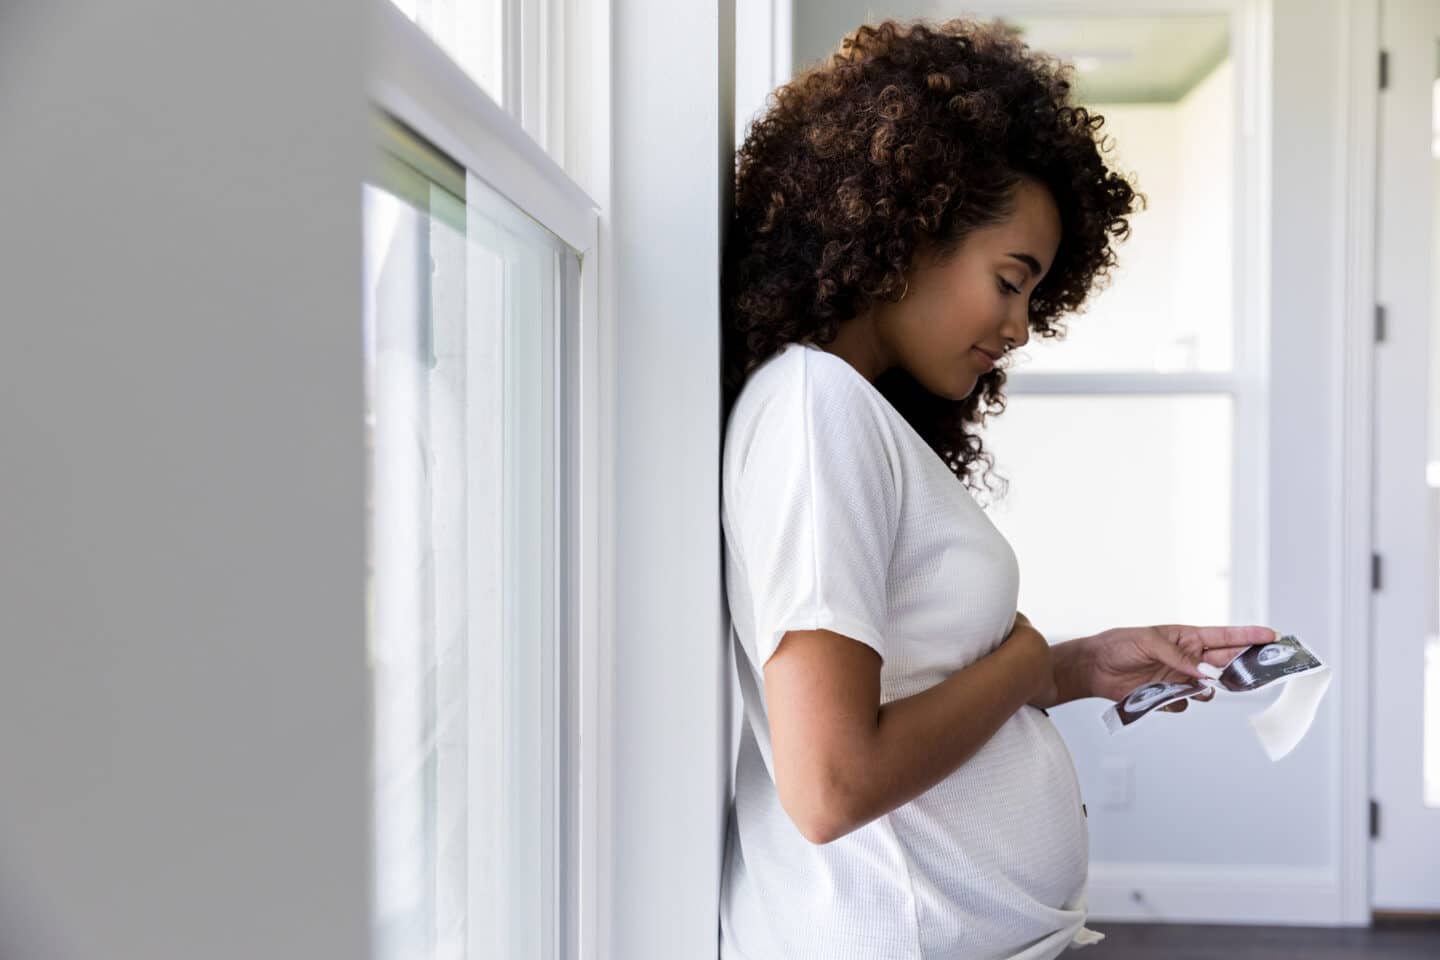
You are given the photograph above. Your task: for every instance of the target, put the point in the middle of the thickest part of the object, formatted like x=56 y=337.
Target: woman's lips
x=985 y=359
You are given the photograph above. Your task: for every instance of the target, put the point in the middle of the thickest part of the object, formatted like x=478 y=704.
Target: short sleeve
x=817 y=509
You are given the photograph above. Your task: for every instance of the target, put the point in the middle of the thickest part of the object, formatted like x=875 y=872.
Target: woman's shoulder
x=771 y=375
x=805 y=395
x=800 y=370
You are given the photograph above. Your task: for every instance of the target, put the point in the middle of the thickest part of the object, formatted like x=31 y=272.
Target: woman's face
x=977 y=298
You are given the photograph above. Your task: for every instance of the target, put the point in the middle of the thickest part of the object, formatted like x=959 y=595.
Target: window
x=414 y=230
x=478 y=268
x=465 y=300
x=513 y=49
x=471 y=32
x=1142 y=418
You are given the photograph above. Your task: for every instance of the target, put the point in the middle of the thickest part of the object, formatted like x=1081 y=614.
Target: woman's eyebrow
x=1028 y=260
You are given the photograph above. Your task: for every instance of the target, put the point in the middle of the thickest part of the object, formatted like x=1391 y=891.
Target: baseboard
x=1198 y=893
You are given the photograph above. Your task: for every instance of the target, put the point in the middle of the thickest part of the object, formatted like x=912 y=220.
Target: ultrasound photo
x=1255 y=667
x=1140 y=701
x=1263 y=664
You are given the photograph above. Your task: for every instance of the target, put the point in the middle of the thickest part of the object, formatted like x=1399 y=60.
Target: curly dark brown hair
x=913 y=131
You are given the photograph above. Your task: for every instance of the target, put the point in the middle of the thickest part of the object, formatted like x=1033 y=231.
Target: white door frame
x=1408 y=845
x=1352 y=415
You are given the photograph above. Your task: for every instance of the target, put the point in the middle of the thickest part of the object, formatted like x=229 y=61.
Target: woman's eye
x=1006 y=286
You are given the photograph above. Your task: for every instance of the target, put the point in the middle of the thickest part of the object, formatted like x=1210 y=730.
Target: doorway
x=1405 y=689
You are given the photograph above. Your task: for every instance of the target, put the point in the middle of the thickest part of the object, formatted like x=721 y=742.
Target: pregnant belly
x=1007 y=820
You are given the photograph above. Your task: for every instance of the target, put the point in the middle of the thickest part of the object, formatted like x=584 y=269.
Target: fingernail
x=1210 y=670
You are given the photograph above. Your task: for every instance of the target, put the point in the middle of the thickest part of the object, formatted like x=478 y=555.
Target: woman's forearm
x=921 y=739
x=1071 y=662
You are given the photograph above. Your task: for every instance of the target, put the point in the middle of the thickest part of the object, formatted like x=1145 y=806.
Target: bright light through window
x=464 y=299
x=471 y=32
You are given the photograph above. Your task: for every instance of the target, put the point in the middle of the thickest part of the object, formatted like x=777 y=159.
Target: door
x=1406 y=613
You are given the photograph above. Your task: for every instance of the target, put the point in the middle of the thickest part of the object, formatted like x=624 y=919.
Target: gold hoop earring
x=906 y=290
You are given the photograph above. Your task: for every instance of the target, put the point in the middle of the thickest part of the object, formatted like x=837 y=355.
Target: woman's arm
x=837 y=769
x=1070 y=664
x=1114 y=662
x=1070 y=660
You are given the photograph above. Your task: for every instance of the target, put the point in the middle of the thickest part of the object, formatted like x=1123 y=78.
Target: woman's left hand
x=1118 y=660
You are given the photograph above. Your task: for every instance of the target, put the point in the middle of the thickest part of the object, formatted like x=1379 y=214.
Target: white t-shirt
x=837 y=515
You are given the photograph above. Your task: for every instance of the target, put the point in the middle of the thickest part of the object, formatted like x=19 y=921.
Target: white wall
x=183 y=701
x=673 y=134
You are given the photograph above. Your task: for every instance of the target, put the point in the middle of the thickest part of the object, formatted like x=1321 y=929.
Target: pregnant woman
x=906 y=213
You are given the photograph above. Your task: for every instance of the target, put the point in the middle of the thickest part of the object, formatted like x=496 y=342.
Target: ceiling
x=1132 y=59
x=1119 y=59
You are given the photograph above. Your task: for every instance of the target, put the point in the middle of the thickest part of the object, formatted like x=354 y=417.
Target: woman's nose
x=1017 y=329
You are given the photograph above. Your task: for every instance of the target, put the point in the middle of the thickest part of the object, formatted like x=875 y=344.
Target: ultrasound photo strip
x=1281 y=726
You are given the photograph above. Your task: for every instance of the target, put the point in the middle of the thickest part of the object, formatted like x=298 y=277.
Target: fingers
x=1179 y=706
x=1178 y=655
x=1223 y=637
x=1216 y=645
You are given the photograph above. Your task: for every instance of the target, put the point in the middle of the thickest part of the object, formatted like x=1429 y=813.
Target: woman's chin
x=958 y=387
x=968 y=386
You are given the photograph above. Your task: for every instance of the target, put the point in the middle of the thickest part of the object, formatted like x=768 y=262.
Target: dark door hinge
x=1374 y=819
x=1379 y=323
x=1374 y=571
x=1384 y=69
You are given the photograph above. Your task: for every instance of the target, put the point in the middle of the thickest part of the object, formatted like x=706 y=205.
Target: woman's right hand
x=1034 y=650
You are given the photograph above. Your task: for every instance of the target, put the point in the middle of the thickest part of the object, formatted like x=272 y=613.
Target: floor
x=1387 y=939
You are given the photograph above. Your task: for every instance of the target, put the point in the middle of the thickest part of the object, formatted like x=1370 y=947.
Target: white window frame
x=409 y=77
